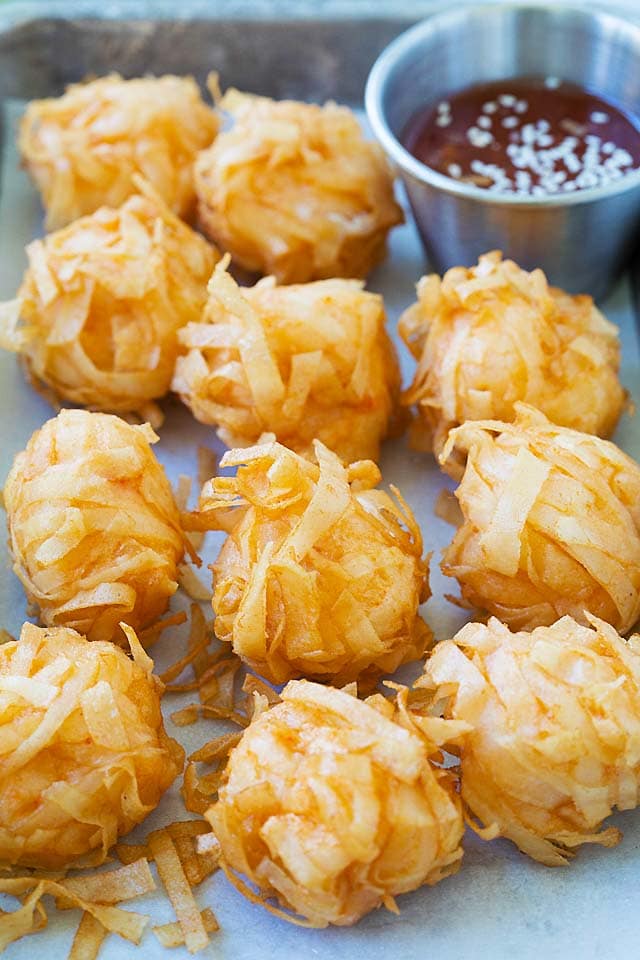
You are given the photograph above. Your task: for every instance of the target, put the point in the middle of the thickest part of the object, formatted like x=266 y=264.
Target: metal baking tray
x=500 y=904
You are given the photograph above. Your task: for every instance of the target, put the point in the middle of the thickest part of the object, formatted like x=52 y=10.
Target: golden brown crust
x=84 y=756
x=321 y=575
x=303 y=362
x=490 y=336
x=99 y=309
x=294 y=190
x=551 y=523
x=94 y=529
x=84 y=148
x=332 y=806
x=555 y=727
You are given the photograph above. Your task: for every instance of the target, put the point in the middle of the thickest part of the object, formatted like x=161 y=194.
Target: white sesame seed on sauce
x=479 y=138
x=530 y=138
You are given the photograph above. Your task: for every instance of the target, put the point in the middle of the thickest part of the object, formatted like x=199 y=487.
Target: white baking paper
x=500 y=905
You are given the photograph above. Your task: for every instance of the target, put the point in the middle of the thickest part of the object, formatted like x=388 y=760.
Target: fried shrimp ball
x=84 y=148
x=321 y=574
x=489 y=336
x=101 y=303
x=93 y=526
x=302 y=362
x=554 y=744
x=294 y=190
x=331 y=805
x=551 y=523
x=84 y=755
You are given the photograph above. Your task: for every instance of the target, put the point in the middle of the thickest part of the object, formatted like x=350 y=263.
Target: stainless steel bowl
x=581 y=240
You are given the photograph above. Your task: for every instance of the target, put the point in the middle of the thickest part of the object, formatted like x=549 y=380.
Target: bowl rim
x=409 y=39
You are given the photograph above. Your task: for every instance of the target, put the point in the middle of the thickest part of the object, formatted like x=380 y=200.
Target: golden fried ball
x=84 y=755
x=487 y=337
x=294 y=190
x=102 y=301
x=302 y=362
x=555 y=739
x=331 y=805
x=83 y=149
x=321 y=575
x=93 y=526
x=551 y=523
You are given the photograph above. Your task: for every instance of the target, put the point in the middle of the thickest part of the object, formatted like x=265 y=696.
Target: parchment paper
x=500 y=905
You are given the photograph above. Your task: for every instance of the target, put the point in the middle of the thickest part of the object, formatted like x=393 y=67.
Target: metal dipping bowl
x=582 y=240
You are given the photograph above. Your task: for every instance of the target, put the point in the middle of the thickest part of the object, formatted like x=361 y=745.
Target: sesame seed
x=479 y=138
x=454 y=170
x=484 y=122
x=552 y=83
x=444 y=106
x=510 y=122
x=599 y=117
x=490 y=107
x=443 y=120
x=507 y=100
x=623 y=157
x=572 y=163
x=521 y=106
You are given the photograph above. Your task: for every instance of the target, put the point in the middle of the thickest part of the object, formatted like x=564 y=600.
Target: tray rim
x=16 y=13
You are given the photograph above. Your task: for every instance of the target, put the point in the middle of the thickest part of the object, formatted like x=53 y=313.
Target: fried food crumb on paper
x=551 y=523
x=555 y=739
x=295 y=191
x=332 y=806
x=321 y=574
x=84 y=756
x=97 y=895
x=489 y=336
x=98 y=312
x=302 y=362
x=94 y=529
x=83 y=149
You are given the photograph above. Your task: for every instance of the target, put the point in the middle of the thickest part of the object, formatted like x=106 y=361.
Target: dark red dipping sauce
x=526 y=136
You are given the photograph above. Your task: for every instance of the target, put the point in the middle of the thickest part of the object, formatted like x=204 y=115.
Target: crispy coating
x=321 y=575
x=489 y=336
x=555 y=739
x=84 y=755
x=302 y=362
x=294 y=190
x=331 y=805
x=102 y=301
x=93 y=526
x=551 y=523
x=83 y=149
